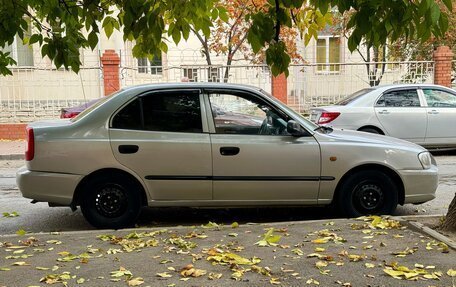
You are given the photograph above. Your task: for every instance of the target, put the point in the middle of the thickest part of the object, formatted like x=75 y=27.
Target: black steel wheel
x=368 y=192
x=110 y=202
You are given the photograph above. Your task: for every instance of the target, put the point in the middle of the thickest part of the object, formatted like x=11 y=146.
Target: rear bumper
x=420 y=185
x=51 y=187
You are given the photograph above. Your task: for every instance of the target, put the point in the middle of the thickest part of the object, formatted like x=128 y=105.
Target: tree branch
x=277 y=25
x=47 y=29
x=204 y=44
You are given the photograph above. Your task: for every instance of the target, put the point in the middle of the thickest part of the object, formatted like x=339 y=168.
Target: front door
x=160 y=136
x=255 y=160
x=401 y=115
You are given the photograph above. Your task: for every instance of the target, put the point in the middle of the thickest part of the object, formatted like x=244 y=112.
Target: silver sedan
x=420 y=113
x=214 y=145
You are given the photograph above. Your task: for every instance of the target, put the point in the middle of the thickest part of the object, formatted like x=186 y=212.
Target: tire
x=370 y=130
x=368 y=192
x=111 y=202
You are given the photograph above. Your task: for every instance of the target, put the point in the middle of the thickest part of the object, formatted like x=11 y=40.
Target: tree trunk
x=450 y=219
x=227 y=69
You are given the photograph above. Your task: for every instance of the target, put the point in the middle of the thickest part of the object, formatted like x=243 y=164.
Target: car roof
x=389 y=86
x=191 y=85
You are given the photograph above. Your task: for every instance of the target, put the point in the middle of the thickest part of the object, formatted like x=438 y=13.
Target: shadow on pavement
x=198 y=216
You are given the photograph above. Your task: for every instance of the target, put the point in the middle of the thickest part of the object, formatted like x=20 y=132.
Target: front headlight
x=426 y=159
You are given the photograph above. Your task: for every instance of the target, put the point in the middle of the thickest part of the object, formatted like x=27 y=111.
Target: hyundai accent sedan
x=163 y=145
x=420 y=113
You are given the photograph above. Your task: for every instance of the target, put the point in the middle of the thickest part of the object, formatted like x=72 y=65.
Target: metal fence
x=41 y=91
x=313 y=85
x=308 y=85
x=33 y=93
x=256 y=75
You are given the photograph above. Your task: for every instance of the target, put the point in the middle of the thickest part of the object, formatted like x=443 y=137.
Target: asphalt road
x=40 y=218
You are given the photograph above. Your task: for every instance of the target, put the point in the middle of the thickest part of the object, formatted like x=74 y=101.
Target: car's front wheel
x=111 y=202
x=368 y=192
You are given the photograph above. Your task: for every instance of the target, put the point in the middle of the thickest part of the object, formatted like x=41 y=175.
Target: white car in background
x=421 y=113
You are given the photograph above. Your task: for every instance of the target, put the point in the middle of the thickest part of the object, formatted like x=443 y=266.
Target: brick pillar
x=110 y=61
x=279 y=87
x=442 y=67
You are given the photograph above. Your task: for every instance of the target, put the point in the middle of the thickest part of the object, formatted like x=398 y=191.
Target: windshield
x=353 y=97
x=307 y=124
x=92 y=107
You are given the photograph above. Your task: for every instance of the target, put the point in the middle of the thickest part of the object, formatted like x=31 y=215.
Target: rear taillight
x=30 y=148
x=327 y=117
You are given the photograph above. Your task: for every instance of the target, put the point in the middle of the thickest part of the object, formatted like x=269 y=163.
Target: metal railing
x=40 y=92
x=313 y=85
x=35 y=93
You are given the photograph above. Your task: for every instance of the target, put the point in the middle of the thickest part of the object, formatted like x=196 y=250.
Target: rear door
x=441 y=110
x=402 y=115
x=255 y=160
x=163 y=138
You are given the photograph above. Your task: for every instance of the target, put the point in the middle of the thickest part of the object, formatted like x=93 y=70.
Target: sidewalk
x=341 y=252
x=12 y=150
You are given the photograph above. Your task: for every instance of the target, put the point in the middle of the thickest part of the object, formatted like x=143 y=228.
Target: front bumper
x=420 y=185
x=51 y=187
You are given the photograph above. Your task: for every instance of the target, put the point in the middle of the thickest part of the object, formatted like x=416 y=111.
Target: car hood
x=363 y=137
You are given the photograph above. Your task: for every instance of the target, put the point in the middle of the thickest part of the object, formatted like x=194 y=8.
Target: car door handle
x=384 y=112
x=128 y=149
x=229 y=150
x=433 y=112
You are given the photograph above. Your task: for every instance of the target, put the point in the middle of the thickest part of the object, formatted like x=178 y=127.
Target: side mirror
x=295 y=129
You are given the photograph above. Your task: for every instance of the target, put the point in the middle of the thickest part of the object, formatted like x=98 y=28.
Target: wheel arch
x=376 y=167
x=113 y=172
x=372 y=127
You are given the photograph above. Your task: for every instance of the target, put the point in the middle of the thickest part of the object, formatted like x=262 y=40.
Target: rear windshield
x=92 y=107
x=353 y=97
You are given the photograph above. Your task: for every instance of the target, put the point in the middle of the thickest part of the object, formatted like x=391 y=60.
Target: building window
x=328 y=54
x=154 y=66
x=20 y=52
x=191 y=74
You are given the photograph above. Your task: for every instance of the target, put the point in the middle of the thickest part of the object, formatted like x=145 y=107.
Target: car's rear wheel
x=368 y=192
x=110 y=202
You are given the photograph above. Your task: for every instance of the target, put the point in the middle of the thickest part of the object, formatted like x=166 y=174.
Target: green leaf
x=35 y=38
x=12 y=214
x=223 y=14
x=92 y=39
x=448 y=4
x=214 y=14
x=176 y=36
x=435 y=13
x=108 y=25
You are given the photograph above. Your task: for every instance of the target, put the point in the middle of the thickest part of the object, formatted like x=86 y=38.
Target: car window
x=129 y=117
x=172 y=112
x=167 y=112
x=400 y=98
x=439 y=98
x=245 y=114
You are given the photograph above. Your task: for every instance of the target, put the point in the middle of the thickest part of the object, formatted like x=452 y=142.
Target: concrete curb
x=12 y=157
x=178 y=227
x=421 y=228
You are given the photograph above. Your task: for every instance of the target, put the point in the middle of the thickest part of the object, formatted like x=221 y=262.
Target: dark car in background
x=68 y=113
